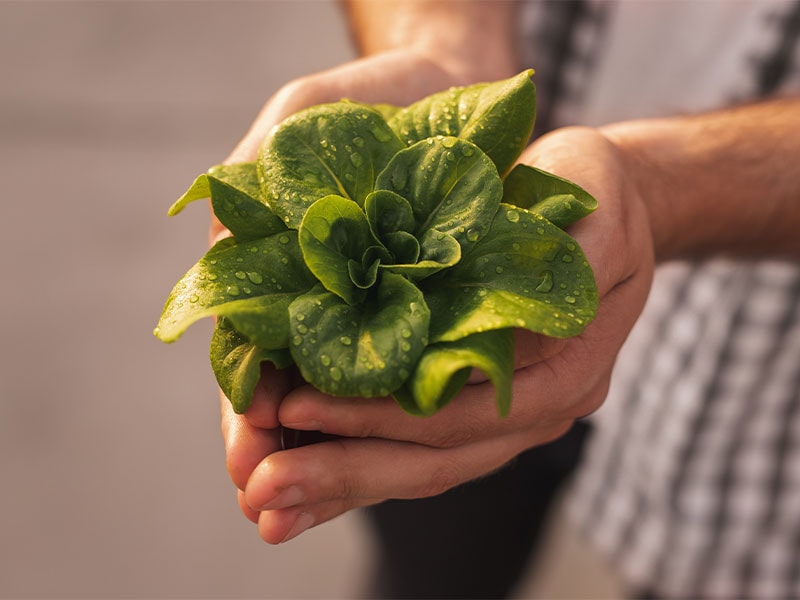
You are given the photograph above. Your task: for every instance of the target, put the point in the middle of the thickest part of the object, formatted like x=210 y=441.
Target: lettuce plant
x=388 y=250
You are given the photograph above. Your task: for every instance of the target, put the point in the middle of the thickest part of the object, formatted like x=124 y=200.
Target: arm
x=724 y=182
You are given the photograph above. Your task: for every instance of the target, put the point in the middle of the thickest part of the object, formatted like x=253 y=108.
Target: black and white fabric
x=690 y=483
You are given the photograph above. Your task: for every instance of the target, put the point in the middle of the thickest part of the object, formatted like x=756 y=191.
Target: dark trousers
x=475 y=540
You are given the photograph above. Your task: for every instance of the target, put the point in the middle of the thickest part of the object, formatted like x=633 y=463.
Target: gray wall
x=111 y=461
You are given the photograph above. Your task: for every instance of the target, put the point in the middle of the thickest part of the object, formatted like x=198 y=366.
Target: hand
x=399 y=77
x=386 y=453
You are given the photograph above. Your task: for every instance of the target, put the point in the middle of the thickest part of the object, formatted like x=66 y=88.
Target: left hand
x=386 y=453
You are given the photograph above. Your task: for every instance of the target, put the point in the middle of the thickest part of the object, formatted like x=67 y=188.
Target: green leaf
x=437 y=251
x=367 y=350
x=444 y=368
x=327 y=149
x=451 y=185
x=251 y=283
x=236 y=363
x=558 y=200
x=235 y=199
x=334 y=237
x=498 y=117
x=525 y=273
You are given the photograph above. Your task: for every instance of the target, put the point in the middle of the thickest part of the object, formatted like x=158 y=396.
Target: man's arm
x=726 y=182
x=473 y=40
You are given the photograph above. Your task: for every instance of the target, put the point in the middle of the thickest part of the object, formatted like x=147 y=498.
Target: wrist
x=720 y=183
x=472 y=41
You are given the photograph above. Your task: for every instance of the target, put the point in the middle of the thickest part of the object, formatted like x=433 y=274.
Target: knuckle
x=444 y=477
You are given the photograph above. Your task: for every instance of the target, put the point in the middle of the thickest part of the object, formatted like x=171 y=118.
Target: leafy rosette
x=388 y=251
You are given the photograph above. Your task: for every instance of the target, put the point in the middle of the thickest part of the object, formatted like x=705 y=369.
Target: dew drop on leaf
x=569 y=299
x=345 y=340
x=546 y=283
x=356 y=159
x=512 y=216
x=473 y=234
x=233 y=290
x=382 y=135
x=240 y=275
x=325 y=360
x=255 y=277
x=567 y=258
x=335 y=373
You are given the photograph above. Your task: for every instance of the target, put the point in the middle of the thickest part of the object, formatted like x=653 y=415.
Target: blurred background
x=111 y=461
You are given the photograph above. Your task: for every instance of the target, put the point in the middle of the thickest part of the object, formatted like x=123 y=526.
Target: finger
x=374 y=470
x=248 y=512
x=273 y=385
x=472 y=415
x=245 y=445
x=279 y=526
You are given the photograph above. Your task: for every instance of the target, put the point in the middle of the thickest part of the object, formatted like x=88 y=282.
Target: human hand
x=396 y=77
x=385 y=453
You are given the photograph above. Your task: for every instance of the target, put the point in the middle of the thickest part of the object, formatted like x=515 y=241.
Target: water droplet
x=540 y=230
x=467 y=150
x=325 y=360
x=284 y=239
x=473 y=234
x=212 y=276
x=302 y=329
x=570 y=246
x=515 y=246
x=233 y=290
x=356 y=159
x=546 y=283
x=405 y=346
x=358 y=141
x=498 y=269
x=569 y=299
x=449 y=142
x=512 y=216
x=567 y=258
x=381 y=134
x=405 y=332
x=297 y=340
x=323 y=143
x=213 y=261
x=400 y=177
x=240 y=275
x=345 y=340
x=255 y=277
x=335 y=373
x=194 y=298
x=284 y=260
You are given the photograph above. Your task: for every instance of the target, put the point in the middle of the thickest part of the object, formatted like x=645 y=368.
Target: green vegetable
x=388 y=250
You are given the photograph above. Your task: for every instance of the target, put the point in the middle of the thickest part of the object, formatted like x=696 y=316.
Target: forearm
x=720 y=183
x=474 y=39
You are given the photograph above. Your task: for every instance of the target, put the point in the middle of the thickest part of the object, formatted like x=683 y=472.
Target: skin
x=739 y=193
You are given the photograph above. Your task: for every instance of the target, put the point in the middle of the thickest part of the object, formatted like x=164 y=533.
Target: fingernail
x=303 y=522
x=291 y=496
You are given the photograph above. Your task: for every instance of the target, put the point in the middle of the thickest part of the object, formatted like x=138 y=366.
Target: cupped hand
x=385 y=453
x=396 y=77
